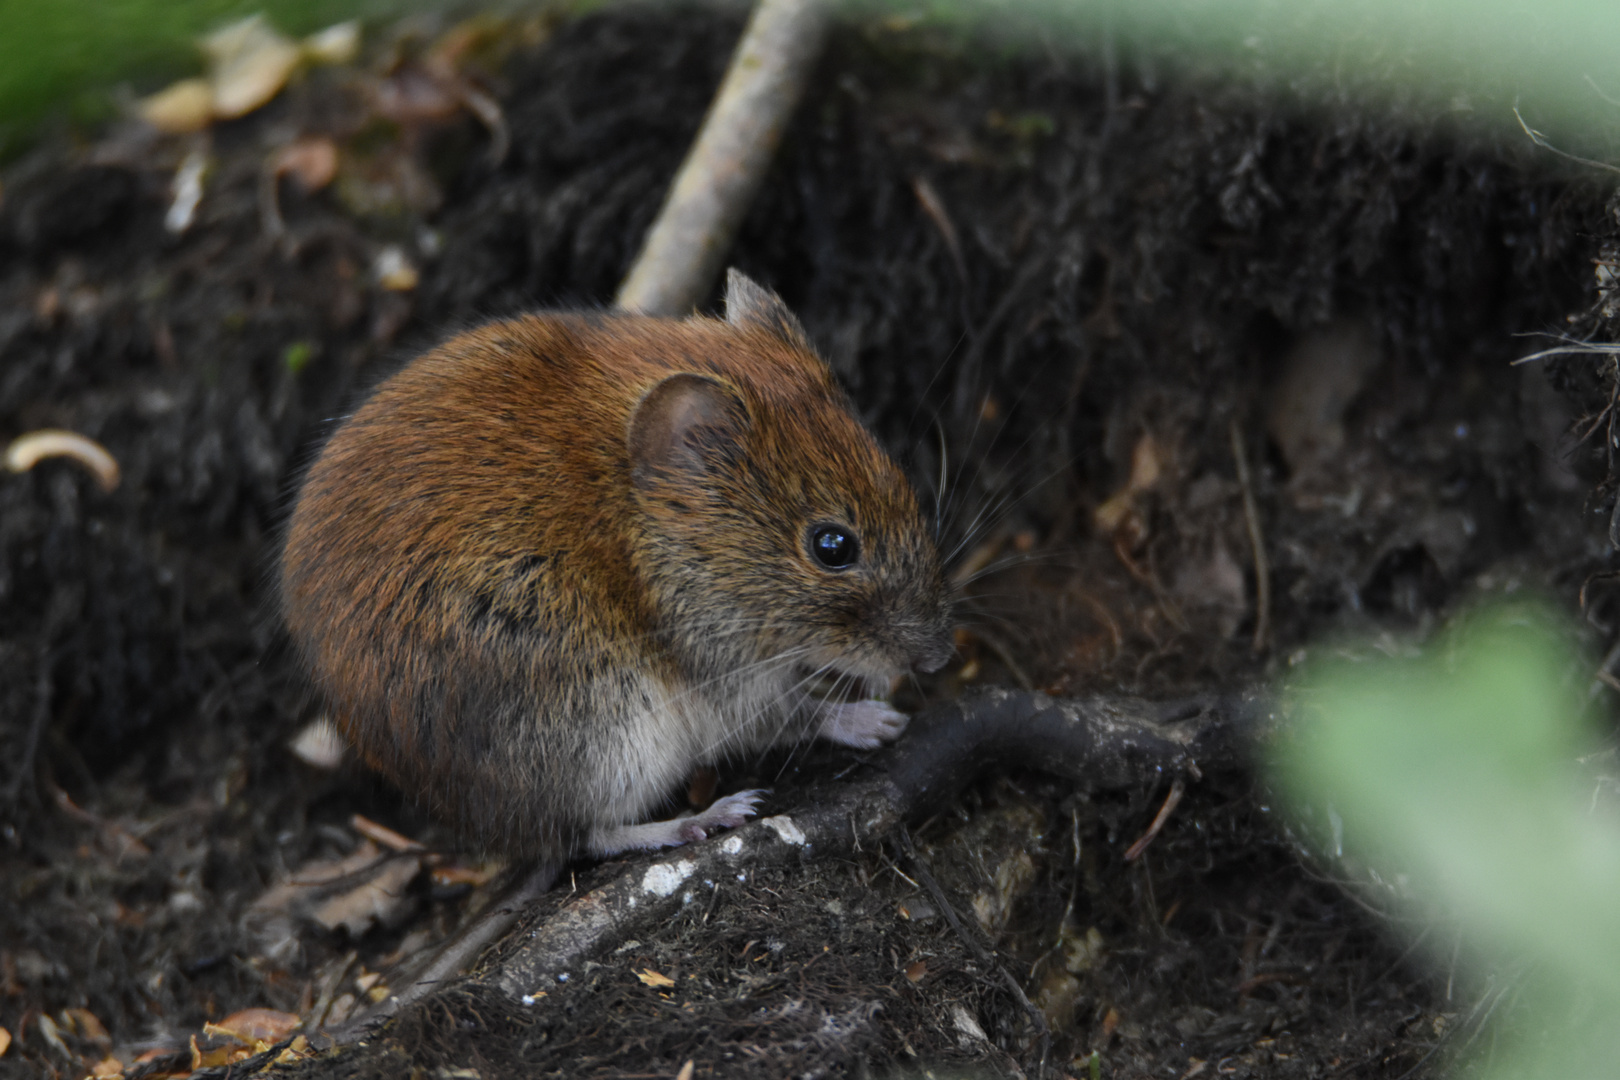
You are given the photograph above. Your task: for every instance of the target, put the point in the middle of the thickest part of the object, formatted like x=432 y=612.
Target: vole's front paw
x=865 y=725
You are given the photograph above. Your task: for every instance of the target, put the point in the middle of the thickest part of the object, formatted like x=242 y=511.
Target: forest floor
x=1096 y=285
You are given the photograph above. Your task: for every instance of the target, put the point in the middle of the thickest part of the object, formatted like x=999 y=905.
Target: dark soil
x=1051 y=266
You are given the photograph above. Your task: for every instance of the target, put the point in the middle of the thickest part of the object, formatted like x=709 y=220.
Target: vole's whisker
x=994 y=512
x=737 y=674
x=1007 y=562
x=764 y=707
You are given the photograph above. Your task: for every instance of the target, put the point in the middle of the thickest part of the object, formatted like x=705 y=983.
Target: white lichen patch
x=785 y=827
x=665 y=878
x=733 y=845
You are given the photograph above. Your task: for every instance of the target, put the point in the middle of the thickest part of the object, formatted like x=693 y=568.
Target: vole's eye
x=834 y=546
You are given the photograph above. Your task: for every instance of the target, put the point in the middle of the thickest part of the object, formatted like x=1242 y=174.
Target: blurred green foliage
x=1458 y=775
x=1556 y=60
x=1477 y=59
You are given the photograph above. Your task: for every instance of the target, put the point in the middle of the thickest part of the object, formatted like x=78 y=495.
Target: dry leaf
x=249 y=64
x=457 y=874
x=394 y=271
x=1146 y=465
x=187 y=191
x=378 y=898
x=916 y=970
x=337 y=44
x=250 y=1026
x=228 y=1054
x=1081 y=953
x=1147 y=468
x=91 y=1028
x=295 y=1050
x=967 y=1025
x=50 y=1033
x=179 y=108
x=1011 y=879
x=654 y=979
x=5 y=1041
x=1058 y=998
x=686 y=1070
x=341 y=1008
x=414 y=95
x=383 y=835
x=109 y=1066
x=353 y=892
x=312 y=162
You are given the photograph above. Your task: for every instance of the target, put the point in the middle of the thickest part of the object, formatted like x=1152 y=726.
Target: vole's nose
x=935 y=655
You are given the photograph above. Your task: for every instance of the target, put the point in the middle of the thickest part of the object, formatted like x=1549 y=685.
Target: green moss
x=298 y=355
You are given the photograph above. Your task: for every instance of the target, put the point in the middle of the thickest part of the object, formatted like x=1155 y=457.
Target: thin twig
x=459 y=952
x=1171 y=801
x=1417 y=943
x=1598 y=90
x=1569 y=347
x=1612 y=406
x=1074 y=891
x=980 y=953
x=1541 y=140
x=934 y=206
x=995 y=645
x=36 y=727
x=1603 y=676
x=1257 y=543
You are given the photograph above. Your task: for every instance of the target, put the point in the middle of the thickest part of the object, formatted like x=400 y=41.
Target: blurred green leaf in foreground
x=1459 y=775
x=1472 y=61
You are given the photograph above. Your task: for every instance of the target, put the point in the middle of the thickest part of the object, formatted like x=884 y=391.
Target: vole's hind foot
x=726 y=813
x=730 y=811
x=865 y=725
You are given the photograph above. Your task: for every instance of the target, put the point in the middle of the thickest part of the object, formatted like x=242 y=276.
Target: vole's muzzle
x=935 y=654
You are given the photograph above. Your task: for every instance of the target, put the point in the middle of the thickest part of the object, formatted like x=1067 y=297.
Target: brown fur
x=540 y=636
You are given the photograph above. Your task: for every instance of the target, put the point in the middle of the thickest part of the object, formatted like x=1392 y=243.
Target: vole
x=554 y=564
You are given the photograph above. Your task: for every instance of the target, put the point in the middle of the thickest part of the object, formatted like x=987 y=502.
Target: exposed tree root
x=1099 y=741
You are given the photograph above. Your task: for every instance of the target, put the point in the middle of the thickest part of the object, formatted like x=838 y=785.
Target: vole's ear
x=750 y=304
x=685 y=424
